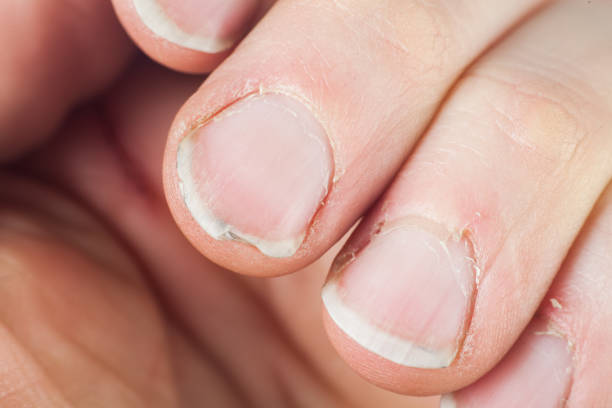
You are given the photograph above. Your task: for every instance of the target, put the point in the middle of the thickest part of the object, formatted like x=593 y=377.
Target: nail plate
x=407 y=295
x=257 y=173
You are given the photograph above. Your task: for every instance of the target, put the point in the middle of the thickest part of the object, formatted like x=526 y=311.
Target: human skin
x=107 y=303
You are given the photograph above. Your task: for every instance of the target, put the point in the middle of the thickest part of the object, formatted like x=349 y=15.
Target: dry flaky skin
x=104 y=303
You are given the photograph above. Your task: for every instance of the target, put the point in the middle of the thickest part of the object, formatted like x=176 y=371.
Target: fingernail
x=257 y=173
x=535 y=373
x=209 y=26
x=406 y=296
x=448 y=401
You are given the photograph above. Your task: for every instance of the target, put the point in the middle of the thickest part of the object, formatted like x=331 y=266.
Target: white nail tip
x=447 y=401
x=154 y=17
x=215 y=227
x=386 y=345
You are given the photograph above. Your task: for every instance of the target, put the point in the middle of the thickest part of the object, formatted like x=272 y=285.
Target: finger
x=449 y=268
x=119 y=147
x=567 y=360
x=191 y=36
x=535 y=373
x=54 y=55
x=295 y=135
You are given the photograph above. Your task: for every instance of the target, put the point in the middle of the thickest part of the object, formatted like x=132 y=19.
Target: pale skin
x=494 y=146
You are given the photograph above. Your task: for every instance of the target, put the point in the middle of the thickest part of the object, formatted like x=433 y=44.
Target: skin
x=87 y=300
x=101 y=290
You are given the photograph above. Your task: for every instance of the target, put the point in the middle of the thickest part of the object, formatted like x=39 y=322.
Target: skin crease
x=103 y=302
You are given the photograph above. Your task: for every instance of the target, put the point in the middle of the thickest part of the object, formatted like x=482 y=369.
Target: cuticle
x=205 y=119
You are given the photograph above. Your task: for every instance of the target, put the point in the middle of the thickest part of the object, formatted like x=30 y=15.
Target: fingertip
x=377 y=370
x=235 y=255
x=191 y=38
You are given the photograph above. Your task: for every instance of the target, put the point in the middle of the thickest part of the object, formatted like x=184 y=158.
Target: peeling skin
x=555 y=303
x=153 y=16
x=216 y=228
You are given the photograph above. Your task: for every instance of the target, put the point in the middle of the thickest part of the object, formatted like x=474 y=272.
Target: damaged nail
x=257 y=173
x=407 y=295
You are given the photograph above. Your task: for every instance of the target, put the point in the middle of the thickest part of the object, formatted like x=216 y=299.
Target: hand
x=479 y=266
x=103 y=302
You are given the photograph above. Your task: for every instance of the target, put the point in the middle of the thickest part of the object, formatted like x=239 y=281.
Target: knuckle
x=543 y=117
x=418 y=33
x=545 y=125
x=422 y=31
